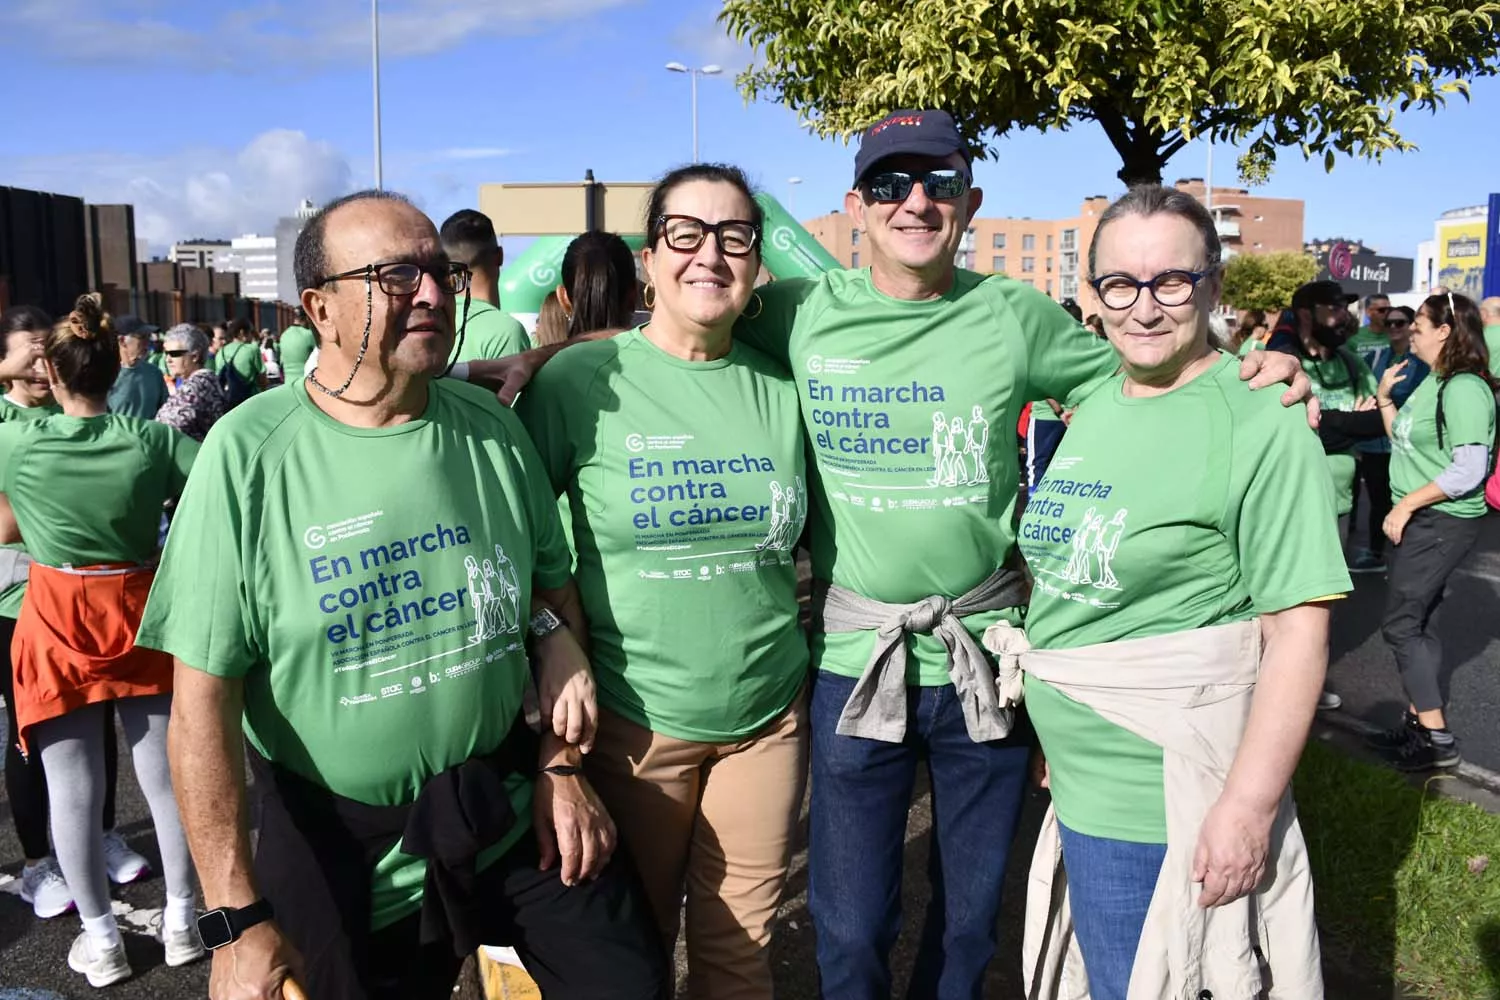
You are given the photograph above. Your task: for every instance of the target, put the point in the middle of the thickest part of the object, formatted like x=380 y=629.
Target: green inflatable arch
x=789 y=252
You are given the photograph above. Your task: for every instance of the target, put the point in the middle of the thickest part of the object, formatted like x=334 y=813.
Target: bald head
x=1489 y=311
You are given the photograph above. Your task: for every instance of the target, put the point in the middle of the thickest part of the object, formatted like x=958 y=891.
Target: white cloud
x=196 y=192
x=266 y=35
x=705 y=40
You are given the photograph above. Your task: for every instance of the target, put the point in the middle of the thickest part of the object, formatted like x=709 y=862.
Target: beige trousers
x=717 y=818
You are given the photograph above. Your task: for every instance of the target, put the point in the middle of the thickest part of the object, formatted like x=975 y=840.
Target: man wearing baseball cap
x=910 y=373
x=139 y=390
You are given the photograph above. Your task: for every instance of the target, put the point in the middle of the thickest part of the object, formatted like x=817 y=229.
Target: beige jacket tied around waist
x=1189 y=693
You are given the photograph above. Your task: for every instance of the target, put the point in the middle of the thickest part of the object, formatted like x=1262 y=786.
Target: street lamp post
x=375 y=65
x=693 y=73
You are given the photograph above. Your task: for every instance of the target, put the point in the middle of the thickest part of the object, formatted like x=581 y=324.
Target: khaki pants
x=719 y=818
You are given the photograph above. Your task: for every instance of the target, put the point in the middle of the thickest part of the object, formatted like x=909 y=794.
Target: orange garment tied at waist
x=74 y=643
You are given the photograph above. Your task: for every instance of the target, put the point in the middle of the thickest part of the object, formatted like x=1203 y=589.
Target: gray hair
x=1153 y=199
x=192 y=338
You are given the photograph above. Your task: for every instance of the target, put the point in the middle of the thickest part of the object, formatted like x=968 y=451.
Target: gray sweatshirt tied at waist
x=877 y=707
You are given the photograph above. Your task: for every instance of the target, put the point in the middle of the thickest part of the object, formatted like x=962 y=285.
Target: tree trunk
x=1142 y=163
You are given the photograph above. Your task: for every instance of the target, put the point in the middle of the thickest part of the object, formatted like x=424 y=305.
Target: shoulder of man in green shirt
x=1492 y=341
x=488 y=333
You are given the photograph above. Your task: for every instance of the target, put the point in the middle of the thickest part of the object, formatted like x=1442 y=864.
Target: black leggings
x=1374 y=470
x=25 y=783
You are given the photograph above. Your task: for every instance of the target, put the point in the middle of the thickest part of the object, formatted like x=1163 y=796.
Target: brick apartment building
x=1052 y=254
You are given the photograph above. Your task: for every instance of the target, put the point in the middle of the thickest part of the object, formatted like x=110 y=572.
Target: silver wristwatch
x=544 y=623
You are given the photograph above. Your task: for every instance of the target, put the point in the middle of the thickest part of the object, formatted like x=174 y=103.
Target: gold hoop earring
x=648 y=296
x=759 y=305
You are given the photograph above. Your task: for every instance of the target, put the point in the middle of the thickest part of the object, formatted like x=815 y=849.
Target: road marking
x=129 y=918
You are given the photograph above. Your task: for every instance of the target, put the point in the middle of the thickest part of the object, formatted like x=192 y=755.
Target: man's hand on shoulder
x=1267 y=368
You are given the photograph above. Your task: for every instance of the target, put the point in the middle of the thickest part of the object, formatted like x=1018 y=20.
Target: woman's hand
x=1230 y=859
x=1395 y=523
x=1392 y=375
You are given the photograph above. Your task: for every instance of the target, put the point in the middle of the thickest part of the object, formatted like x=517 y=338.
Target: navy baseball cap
x=921 y=133
x=1322 y=293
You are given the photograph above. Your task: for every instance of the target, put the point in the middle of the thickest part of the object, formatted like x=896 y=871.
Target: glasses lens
x=1396 y=324
x=1118 y=292
x=945 y=184
x=892 y=186
x=399 y=279
x=684 y=234
x=1172 y=288
x=454 y=279
x=736 y=238
x=174 y=354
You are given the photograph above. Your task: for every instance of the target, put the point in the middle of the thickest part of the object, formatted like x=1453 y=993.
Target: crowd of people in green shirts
x=369 y=564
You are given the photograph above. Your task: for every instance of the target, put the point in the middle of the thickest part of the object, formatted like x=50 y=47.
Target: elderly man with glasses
x=356 y=571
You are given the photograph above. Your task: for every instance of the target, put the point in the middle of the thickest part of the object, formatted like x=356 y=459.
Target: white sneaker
x=102 y=966
x=123 y=865
x=183 y=947
x=1329 y=702
x=43 y=886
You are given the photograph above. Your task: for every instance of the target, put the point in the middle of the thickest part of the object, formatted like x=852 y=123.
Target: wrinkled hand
x=21 y=363
x=1266 y=368
x=1041 y=776
x=1394 y=525
x=256 y=967
x=1230 y=859
x=572 y=827
x=565 y=693
x=1392 y=375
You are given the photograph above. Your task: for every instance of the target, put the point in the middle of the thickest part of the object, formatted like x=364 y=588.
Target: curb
x=1480 y=777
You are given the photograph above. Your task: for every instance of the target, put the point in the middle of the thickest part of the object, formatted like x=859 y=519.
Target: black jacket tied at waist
x=317 y=852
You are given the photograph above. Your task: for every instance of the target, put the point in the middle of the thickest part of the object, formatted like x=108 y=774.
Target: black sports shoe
x=1395 y=739
x=1421 y=754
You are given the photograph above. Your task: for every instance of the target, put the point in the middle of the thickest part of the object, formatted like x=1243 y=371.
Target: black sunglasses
x=1397 y=323
x=176 y=354
x=686 y=233
x=896 y=185
x=404 y=278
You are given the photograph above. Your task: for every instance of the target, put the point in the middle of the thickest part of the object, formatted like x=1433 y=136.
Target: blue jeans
x=1110 y=883
x=861 y=792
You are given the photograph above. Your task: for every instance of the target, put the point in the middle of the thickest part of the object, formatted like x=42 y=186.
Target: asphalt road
x=33 y=953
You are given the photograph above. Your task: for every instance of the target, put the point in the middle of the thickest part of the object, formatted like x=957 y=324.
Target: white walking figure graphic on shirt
x=1077 y=570
x=509 y=596
x=492 y=590
x=479 y=596
x=1105 y=543
x=1401 y=433
x=939 y=449
x=977 y=438
x=958 y=470
x=786 y=516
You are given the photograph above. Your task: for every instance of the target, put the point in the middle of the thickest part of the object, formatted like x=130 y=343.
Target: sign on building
x=1365 y=273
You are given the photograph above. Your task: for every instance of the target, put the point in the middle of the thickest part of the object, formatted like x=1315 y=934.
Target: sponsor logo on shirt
x=319 y=535
x=656 y=442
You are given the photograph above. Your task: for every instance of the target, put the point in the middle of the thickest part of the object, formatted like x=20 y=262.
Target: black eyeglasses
x=896 y=185
x=1397 y=324
x=176 y=354
x=1169 y=288
x=686 y=233
x=403 y=278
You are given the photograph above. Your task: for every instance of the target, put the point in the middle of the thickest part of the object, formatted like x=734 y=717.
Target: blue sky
x=214 y=118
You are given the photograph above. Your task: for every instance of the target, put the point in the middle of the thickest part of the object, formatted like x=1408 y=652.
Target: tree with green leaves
x=1266 y=281
x=1324 y=76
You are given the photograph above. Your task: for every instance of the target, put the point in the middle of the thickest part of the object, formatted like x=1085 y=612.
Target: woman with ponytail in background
x=598 y=284
x=84 y=489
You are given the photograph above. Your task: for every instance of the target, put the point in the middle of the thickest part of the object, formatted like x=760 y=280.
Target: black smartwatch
x=216 y=928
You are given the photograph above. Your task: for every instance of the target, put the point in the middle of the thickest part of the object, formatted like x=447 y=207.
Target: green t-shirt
x=159 y=360
x=377 y=618
x=297 y=345
x=139 y=391
x=1375 y=350
x=1492 y=341
x=246 y=360
x=1331 y=385
x=89 y=490
x=687 y=483
x=1206 y=505
x=489 y=334
x=911 y=410
x=1416 y=459
x=11 y=596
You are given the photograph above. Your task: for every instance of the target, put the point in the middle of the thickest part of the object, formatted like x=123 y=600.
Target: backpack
x=1492 y=479
x=236 y=388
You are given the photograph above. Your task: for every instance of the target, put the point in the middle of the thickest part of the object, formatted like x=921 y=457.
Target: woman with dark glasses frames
x=681 y=454
x=198 y=400
x=1182 y=542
